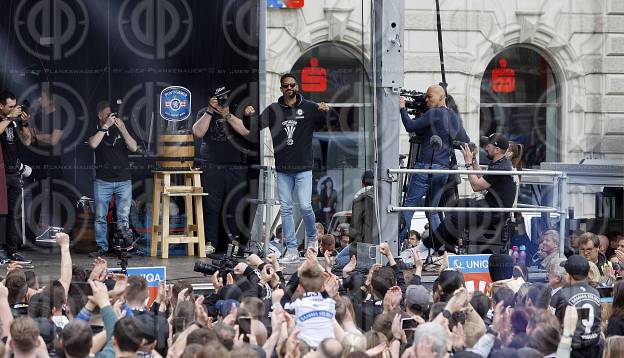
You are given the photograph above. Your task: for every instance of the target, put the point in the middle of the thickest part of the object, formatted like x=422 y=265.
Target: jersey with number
x=314 y=316
x=581 y=295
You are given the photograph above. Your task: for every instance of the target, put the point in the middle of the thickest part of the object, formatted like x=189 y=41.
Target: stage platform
x=46 y=264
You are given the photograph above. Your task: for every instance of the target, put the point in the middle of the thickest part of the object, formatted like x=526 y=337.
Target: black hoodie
x=292 y=129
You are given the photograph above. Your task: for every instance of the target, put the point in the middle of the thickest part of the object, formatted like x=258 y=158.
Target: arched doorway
x=520 y=97
x=335 y=73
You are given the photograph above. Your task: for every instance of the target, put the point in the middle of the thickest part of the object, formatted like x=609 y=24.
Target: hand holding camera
x=110 y=121
x=120 y=124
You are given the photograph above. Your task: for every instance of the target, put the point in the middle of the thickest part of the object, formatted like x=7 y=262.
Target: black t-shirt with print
x=111 y=157
x=9 y=140
x=292 y=129
x=221 y=144
x=502 y=191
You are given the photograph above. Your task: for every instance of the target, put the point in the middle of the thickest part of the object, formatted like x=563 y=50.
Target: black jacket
x=363 y=216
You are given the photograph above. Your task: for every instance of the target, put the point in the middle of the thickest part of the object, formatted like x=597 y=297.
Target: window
x=520 y=98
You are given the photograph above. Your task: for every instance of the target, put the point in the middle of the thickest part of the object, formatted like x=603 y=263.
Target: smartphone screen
x=244 y=325
x=408 y=324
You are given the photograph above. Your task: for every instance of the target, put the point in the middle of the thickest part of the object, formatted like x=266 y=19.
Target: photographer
x=437 y=121
x=501 y=191
x=111 y=143
x=224 y=169
x=13 y=125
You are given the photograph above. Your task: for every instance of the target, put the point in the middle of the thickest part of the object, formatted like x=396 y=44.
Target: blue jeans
x=417 y=189
x=298 y=185
x=103 y=191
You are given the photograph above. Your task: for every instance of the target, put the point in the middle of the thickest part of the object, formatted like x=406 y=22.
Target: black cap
x=576 y=265
x=497 y=140
x=220 y=91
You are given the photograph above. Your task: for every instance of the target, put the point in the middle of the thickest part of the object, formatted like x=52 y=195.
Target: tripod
x=435 y=144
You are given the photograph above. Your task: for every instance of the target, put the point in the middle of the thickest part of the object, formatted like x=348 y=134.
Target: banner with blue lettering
x=475 y=269
x=153 y=275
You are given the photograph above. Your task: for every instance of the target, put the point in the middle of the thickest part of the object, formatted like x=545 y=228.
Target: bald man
x=437 y=120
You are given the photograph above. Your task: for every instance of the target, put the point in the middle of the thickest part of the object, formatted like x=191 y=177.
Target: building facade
x=549 y=74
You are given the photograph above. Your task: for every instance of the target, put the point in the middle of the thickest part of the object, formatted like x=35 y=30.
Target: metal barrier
x=559 y=181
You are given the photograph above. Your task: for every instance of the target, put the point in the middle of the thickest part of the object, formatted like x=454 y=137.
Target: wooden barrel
x=176 y=151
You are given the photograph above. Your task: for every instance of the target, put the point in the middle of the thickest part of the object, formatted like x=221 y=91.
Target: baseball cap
x=576 y=265
x=220 y=91
x=497 y=140
x=417 y=295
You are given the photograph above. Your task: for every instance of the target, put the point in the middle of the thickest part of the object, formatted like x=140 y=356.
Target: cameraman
x=501 y=192
x=224 y=169
x=13 y=125
x=111 y=143
x=443 y=122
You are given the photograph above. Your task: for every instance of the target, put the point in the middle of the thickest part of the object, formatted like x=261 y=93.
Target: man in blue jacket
x=443 y=122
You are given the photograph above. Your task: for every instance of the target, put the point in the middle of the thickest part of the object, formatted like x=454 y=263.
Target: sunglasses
x=289 y=85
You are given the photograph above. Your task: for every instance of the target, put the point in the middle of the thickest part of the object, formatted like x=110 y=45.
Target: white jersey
x=314 y=316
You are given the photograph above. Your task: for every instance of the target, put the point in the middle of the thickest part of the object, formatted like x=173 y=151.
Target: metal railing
x=559 y=181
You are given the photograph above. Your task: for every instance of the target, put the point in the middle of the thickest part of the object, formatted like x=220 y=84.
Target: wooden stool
x=192 y=192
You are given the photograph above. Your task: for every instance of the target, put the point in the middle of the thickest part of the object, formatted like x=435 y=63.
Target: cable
x=375 y=144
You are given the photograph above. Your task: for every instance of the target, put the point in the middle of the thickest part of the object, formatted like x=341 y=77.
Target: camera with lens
x=222 y=101
x=224 y=265
x=122 y=240
x=415 y=102
x=460 y=145
x=23 y=169
x=25 y=106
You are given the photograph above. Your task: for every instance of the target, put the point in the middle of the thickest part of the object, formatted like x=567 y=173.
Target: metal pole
x=489 y=172
x=263 y=212
x=563 y=206
x=388 y=31
x=473 y=209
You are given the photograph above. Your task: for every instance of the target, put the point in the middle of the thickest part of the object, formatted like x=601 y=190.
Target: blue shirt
x=439 y=121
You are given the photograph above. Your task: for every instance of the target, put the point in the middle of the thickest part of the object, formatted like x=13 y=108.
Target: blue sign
x=175 y=103
x=469 y=263
x=153 y=275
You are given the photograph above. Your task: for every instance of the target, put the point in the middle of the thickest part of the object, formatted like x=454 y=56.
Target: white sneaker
x=291 y=256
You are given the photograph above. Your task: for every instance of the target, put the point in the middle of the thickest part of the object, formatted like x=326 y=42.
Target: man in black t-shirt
x=111 y=143
x=579 y=294
x=292 y=121
x=501 y=191
x=48 y=125
x=13 y=129
x=224 y=169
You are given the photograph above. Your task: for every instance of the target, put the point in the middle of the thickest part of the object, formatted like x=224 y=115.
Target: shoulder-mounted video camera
x=415 y=102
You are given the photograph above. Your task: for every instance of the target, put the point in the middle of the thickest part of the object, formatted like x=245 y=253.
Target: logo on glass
x=51 y=29
x=175 y=103
x=155 y=29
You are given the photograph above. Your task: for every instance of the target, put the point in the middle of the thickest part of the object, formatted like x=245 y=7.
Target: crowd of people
x=323 y=309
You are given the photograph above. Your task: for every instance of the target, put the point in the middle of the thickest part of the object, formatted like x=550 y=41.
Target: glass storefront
x=520 y=98
x=335 y=73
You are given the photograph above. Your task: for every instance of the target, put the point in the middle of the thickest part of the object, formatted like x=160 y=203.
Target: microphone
x=435 y=142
